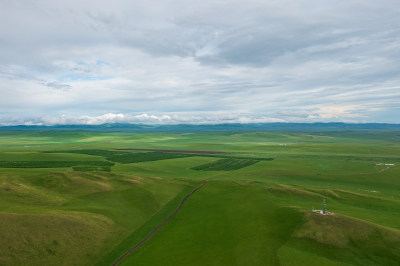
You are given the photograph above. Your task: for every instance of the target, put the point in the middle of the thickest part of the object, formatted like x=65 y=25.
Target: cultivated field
x=79 y=198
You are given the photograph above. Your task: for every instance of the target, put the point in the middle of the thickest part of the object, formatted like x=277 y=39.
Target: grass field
x=73 y=198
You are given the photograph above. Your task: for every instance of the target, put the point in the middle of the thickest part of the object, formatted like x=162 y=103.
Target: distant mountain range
x=186 y=128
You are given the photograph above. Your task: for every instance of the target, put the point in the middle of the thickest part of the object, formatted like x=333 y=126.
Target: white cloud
x=336 y=111
x=162 y=119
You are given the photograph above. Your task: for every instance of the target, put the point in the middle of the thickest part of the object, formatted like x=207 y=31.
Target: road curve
x=160 y=225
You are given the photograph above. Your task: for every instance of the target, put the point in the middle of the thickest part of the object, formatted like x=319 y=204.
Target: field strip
x=173 y=151
x=159 y=226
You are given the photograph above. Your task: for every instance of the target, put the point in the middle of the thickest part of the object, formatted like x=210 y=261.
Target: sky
x=199 y=62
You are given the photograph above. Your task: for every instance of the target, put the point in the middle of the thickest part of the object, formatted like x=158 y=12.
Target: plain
x=73 y=198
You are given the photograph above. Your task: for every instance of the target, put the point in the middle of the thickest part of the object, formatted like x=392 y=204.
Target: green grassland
x=72 y=198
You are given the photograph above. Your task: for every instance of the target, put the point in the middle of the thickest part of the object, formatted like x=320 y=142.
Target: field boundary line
x=147 y=238
x=314 y=174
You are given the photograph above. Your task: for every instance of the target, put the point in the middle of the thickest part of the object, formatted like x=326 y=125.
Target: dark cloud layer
x=199 y=61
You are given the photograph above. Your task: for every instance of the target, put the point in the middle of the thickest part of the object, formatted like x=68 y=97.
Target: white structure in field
x=323 y=211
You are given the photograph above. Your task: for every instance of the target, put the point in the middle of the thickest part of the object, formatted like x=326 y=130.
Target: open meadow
x=81 y=198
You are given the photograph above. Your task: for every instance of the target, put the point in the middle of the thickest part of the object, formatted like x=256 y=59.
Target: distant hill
x=186 y=128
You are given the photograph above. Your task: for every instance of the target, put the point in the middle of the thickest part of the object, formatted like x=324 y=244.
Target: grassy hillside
x=72 y=198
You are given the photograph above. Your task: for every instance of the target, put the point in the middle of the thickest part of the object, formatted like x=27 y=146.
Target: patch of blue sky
x=385 y=116
x=102 y=63
x=97 y=62
x=81 y=77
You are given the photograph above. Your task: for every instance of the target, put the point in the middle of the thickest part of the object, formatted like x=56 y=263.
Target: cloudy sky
x=190 y=61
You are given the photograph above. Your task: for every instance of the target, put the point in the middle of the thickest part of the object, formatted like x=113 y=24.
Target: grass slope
x=52 y=238
x=341 y=240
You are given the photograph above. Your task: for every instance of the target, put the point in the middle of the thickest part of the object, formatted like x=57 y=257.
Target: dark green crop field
x=228 y=164
x=128 y=157
x=73 y=198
